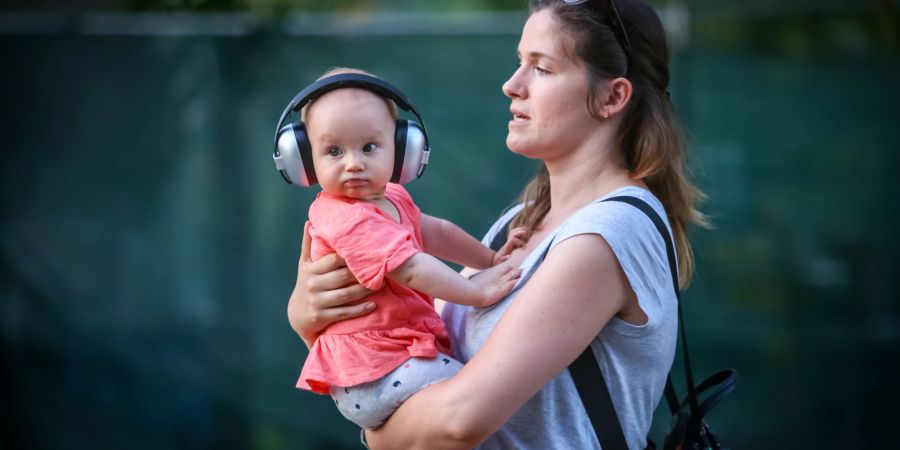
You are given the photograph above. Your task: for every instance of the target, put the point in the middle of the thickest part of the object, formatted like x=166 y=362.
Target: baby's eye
x=334 y=151
x=369 y=148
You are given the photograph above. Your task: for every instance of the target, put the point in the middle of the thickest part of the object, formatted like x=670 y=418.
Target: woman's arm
x=575 y=292
x=322 y=289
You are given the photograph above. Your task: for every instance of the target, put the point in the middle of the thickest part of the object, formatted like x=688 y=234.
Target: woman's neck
x=582 y=177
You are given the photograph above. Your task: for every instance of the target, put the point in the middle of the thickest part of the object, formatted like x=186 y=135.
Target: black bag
x=688 y=430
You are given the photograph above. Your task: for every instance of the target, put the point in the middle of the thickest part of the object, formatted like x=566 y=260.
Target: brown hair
x=649 y=135
x=392 y=107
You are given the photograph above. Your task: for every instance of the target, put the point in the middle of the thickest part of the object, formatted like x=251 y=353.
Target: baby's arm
x=446 y=240
x=427 y=274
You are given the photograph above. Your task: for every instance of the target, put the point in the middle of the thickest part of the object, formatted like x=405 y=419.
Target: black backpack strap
x=671 y=396
x=594 y=394
x=501 y=236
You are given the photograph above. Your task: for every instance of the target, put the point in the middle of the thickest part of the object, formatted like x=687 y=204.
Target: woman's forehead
x=543 y=37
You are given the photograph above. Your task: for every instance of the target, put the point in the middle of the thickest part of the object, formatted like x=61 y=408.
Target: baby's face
x=352 y=137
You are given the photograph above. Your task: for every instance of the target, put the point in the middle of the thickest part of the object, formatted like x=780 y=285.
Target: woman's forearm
x=434 y=418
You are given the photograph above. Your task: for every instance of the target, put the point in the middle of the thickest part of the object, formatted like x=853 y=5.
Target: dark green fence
x=148 y=247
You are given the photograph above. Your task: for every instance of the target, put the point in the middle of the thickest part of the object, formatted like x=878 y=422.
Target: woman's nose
x=513 y=87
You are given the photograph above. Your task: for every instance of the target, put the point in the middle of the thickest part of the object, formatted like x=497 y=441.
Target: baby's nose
x=354 y=162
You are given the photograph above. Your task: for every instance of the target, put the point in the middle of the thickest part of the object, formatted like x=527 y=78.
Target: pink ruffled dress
x=404 y=323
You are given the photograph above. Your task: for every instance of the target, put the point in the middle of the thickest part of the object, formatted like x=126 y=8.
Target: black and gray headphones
x=293 y=152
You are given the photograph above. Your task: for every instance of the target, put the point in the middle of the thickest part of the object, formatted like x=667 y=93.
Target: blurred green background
x=148 y=247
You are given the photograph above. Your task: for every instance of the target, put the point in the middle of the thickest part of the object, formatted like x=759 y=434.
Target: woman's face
x=548 y=93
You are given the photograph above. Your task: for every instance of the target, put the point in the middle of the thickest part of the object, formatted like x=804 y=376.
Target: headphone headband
x=347 y=80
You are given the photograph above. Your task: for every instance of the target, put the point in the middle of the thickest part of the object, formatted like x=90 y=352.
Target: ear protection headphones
x=293 y=152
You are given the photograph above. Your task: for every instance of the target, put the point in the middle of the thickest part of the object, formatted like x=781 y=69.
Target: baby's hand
x=517 y=237
x=496 y=282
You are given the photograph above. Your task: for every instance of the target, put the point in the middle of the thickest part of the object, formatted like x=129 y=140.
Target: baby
x=371 y=364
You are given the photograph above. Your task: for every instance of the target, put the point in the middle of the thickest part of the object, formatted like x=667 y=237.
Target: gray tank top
x=635 y=360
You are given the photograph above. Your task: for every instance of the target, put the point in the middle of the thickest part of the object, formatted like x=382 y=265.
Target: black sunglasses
x=616 y=22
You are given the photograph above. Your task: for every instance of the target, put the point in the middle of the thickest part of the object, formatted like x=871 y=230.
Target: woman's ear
x=614 y=97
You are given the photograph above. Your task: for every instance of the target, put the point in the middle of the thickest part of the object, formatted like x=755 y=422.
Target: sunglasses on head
x=615 y=20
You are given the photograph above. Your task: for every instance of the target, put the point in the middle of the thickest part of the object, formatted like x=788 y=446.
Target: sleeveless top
x=635 y=360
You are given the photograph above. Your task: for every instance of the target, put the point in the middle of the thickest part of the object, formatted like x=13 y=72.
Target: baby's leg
x=370 y=404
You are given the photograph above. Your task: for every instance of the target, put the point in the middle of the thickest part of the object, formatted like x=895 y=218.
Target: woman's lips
x=518 y=118
x=518 y=121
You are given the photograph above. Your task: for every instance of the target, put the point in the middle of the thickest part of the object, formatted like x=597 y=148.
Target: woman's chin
x=518 y=147
x=514 y=145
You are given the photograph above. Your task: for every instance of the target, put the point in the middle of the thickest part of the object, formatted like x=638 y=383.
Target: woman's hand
x=325 y=293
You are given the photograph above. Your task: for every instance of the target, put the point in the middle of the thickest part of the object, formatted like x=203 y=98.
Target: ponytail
x=654 y=154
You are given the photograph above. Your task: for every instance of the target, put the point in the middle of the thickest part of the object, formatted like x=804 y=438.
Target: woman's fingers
x=337 y=298
x=325 y=264
x=347 y=312
x=311 y=313
x=326 y=292
x=335 y=279
x=328 y=307
x=304 y=246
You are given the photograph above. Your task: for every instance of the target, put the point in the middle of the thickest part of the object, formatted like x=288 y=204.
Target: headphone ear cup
x=293 y=155
x=410 y=152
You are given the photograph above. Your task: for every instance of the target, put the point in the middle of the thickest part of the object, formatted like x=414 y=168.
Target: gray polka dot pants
x=370 y=404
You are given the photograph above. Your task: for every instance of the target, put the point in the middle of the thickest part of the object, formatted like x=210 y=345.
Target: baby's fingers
x=510 y=273
x=516 y=238
x=519 y=233
x=509 y=281
x=515 y=242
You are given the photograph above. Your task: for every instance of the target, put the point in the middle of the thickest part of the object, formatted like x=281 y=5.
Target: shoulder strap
x=585 y=370
x=501 y=236
x=671 y=396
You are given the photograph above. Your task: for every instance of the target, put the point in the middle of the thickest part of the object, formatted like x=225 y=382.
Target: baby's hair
x=392 y=107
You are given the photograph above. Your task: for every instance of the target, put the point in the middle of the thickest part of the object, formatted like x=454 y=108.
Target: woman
x=590 y=100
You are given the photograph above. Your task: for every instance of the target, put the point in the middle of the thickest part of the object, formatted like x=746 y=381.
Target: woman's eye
x=541 y=70
x=334 y=151
x=369 y=148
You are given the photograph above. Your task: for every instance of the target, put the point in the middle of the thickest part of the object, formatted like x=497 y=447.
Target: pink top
x=404 y=323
